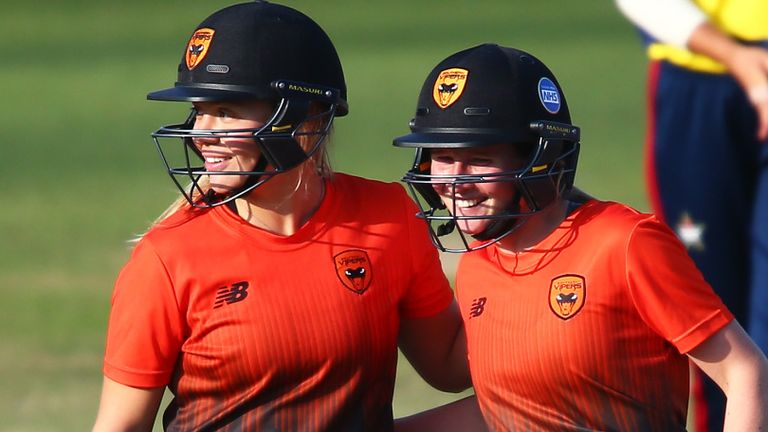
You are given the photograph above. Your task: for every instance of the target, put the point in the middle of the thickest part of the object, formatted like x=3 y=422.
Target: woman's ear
x=313 y=137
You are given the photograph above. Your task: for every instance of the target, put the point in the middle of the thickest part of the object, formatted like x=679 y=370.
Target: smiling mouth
x=216 y=163
x=464 y=203
x=215 y=160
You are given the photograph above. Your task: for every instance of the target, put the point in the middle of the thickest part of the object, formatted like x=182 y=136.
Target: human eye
x=444 y=160
x=225 y=114
x=443 y=157
x=481 y=161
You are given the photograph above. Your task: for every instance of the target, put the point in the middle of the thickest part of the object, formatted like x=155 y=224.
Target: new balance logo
x=232 y=294
x=477 y=308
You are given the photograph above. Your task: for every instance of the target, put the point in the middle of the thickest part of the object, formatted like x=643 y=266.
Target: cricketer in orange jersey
x=252 y=330
x=580 y=314
x=274 y=294
x=571 y=331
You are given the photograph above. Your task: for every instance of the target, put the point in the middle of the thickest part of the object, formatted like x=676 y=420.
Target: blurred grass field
x=80 y=175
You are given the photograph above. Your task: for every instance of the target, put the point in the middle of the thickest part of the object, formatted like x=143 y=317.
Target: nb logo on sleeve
x=231 y=294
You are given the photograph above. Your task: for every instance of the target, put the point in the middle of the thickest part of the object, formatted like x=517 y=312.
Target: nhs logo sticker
x=549 y=96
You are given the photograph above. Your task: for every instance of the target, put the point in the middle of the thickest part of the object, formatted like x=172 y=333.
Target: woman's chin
x=220 y=189
x=472 y=227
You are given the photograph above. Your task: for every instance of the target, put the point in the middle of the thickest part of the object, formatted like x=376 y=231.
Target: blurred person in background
x=274 y=294
x=580 y=314
x=707 y=150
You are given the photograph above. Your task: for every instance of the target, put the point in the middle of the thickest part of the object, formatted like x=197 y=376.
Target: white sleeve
x=670 y=21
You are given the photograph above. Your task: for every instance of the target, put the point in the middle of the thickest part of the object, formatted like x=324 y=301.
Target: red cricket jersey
x=585 y=331
x=255 y=331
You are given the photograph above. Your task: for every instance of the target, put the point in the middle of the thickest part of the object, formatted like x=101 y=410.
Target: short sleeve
x=668 y=290
x=428 y=291
x=145 y=330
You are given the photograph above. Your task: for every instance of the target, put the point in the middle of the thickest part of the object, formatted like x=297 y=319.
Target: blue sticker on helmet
x=549 y=95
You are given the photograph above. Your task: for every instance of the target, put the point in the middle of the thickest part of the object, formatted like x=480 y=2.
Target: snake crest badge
x=198 y=46
x=566 y=295
x=353 y=267
x=449 y=86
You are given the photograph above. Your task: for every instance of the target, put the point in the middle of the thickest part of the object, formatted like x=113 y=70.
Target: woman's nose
x=202 y=141
x=204 y=122
x=451 y=172
x=460 y=188
x=456 y=168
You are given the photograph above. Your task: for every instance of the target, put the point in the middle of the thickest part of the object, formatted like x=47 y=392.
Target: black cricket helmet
x=489 y=95
x=254 y=51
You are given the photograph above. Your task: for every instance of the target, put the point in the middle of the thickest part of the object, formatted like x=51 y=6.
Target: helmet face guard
x=279 y=142
x=254 y=51
x=491 y=95
x=548 y=173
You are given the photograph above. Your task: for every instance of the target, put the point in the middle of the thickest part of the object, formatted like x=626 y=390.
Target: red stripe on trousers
x=652 y=185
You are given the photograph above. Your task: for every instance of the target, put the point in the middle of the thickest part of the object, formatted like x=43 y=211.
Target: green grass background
x=80 y=175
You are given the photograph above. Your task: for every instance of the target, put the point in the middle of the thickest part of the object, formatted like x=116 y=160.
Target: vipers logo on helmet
x=197 y=47
x=449 y=85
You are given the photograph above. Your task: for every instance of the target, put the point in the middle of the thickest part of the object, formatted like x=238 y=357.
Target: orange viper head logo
x=566 y=295
x=197 y=47
x=354 y=269
x=449 y=86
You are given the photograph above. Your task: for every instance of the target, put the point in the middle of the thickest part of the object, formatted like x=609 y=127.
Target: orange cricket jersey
x=259 y=332
x=585 y=331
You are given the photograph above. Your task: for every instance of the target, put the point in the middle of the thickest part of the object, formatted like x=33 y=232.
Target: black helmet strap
x=279 y=145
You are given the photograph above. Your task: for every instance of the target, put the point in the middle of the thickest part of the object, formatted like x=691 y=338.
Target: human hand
x=749 y=66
